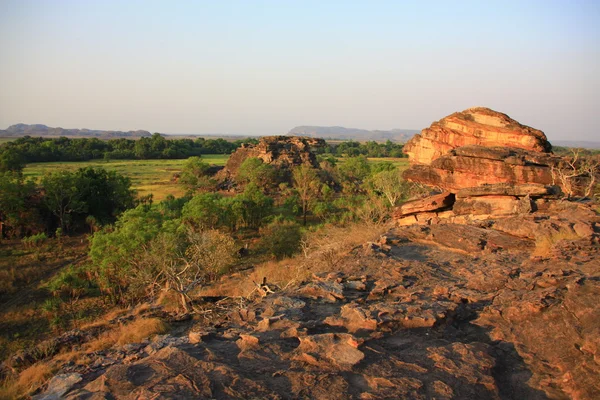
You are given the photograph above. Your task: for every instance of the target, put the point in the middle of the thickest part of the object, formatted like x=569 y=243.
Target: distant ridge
x=586 y=144
x=339 y=132
x=19 y=130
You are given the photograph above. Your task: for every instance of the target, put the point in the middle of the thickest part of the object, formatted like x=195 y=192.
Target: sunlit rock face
x=474 y=126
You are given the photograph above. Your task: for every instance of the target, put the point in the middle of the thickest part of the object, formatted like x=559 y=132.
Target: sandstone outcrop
x=474 y=126
x=279 y=151
x=491 y=165
x=413 y=321
x=471 y=166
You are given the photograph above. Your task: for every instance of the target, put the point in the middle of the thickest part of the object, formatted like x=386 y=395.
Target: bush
x=281 y=239
x=35 y=241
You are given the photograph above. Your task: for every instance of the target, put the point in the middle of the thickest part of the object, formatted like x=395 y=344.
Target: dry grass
x=29 y=380
x=132 y=332
x=322 y=251
x=544 y=244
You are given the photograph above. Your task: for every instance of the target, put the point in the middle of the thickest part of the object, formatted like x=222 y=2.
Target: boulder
x=431 y=203
x=474 y=126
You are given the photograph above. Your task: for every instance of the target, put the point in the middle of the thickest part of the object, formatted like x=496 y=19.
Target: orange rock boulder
x=474 y=126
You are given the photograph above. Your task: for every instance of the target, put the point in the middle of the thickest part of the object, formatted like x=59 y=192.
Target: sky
x=263 y=67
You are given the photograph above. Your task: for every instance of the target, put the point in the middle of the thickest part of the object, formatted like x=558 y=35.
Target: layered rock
x=474 y=126
x=472 y=166
x=280 y=151
x=491 y=164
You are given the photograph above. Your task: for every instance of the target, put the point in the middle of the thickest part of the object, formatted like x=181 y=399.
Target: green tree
x=18 y=212
x=62 y=196
x=256 y=206
x=11 y=160
x=354 y=171
x=147 y=252
x=203 y=211
x=307 y=185
x=194 y=169
x=391 y=185
x=106 y=194
x=254 y=170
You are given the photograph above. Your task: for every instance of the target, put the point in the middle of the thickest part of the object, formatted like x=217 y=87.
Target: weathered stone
x=280 y=151
x=494 y=205
x=246 y=342
x=454 y=173
x=354 y=318
x=330 y=350
x=472 y=239
x=431 y=203
x=504 y=189
x=474 y=126
x=58 y=386
x=329 y=291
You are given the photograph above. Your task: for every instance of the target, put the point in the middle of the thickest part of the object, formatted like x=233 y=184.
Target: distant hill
x=586 y=144
x=19 y=130
x=339 y=132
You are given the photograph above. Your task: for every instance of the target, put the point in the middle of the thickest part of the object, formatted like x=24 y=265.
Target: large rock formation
x=280 y=151
x=471 y=166
x=493 y=165
x=474 y=126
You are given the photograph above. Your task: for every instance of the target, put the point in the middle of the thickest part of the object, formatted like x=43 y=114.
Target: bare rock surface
x=446 y=311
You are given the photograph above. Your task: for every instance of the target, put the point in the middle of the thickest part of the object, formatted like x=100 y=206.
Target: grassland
x=400 y=163
x=147 y=176
x=153 y=176
x=6 y=139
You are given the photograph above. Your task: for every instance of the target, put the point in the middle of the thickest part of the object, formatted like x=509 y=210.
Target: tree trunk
x=184 y=303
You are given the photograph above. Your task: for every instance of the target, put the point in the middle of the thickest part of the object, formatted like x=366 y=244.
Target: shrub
x=281 y=239
x=35 y=240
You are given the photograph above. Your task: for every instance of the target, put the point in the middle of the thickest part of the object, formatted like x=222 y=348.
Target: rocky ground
x=427 y=312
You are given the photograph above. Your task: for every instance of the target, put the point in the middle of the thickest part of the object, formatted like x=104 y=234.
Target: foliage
x=87 y=192
x=308 y=186
x=369 y=149
x=106 y=193
x=204 y=211
x=254 y=171
x=281 y=239
x=147 y=251
x=62 y=196
x=390 y=184
x=116 y=253
x=193 y=171
x=353 y=171
x=11 y=161
x=34 y=240
x=16 y=153
x=19 y=206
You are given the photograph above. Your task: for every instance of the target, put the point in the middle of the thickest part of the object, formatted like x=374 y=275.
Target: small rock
x=59 y=385
x=337 y=350
x=246 y=342
x=329 y=291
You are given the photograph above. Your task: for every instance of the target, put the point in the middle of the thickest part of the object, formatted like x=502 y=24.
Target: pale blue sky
x=263 y=67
